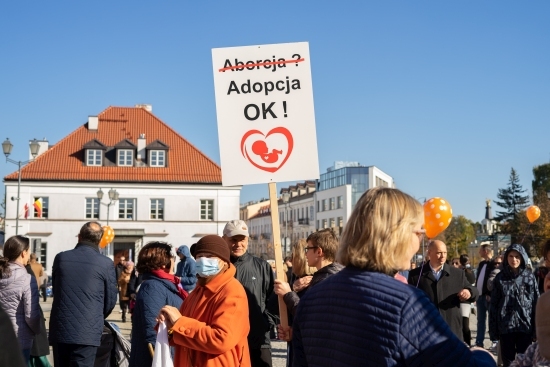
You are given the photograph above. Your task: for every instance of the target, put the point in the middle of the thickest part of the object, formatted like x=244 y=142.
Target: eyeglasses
x=420 y=233
x=306 y=249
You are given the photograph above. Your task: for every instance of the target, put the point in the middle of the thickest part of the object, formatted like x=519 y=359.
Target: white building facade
x=166 y=189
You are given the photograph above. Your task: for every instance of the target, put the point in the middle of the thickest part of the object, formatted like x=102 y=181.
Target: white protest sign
x=266 y=120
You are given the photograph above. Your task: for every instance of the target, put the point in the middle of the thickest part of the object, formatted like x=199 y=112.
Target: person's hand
x=301 y=283
x=464 y=295
x=170 y=315
x=281 y=288
x=284 y=332
x=133 y=296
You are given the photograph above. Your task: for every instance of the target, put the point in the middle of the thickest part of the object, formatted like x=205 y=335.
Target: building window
x=157 y=158
x=380 y=182
x=207 y=209
x=332 y=205
x=332 y=223
x=157 y=209
x=324 y=223
x=311 y=212
x=340 y=202
x=341 y=222
x=317 y=224
x=40 y=205
x=325 y=207
x=125 y=157
x=39 y=248
x=93 y=157
x=92 y=208
x=126 y=209
x=318 y=206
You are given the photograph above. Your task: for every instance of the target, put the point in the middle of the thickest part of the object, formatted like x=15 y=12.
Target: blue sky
x=445 y=96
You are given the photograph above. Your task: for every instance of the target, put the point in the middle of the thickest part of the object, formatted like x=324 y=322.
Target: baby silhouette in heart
x=260 y=148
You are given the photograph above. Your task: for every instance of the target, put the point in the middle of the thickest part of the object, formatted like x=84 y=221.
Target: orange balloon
x=533 y=213
x=108 y=236
x=437 y=216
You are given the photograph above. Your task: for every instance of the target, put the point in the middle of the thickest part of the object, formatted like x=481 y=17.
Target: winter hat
x=542 y=322
x=212 y=245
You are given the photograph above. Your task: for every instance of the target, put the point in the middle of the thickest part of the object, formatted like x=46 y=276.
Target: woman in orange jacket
x=211 y=327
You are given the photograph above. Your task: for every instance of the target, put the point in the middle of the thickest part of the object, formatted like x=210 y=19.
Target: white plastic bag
x=162 y=357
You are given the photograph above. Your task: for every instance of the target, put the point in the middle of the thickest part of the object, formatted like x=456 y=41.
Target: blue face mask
x=207 y=266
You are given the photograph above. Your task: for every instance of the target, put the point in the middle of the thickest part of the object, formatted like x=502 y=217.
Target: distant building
x=166 y=189
x=340 y=188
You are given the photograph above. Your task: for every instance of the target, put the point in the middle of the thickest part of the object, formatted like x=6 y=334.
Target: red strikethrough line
x=262 y=64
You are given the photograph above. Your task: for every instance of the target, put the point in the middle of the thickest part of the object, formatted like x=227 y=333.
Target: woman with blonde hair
x=362 y=315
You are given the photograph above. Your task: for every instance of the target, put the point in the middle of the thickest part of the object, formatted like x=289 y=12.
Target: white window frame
x=156 y=213
x=207 y=209
x=92 y=207
x=94 y=157
x=157 y=158
x=125 y=212
x=123 y=155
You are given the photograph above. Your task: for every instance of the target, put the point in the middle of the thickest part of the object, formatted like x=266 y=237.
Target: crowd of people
x=350 y=301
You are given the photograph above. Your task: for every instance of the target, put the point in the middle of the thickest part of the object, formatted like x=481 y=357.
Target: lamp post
x=113 y=196
x=286 y=199
x=7 y=146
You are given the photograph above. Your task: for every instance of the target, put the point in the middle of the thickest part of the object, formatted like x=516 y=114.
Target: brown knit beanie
x=212 y=245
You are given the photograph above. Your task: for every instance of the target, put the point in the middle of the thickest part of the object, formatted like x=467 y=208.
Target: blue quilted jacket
x=154 y=293
x=85 y=291
x=362 y=318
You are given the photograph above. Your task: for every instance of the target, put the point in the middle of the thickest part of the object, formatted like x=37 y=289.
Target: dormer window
x=94 y=157
x=125 y=157
x=94 y=152
x=157 y=154
x=157 y=158
x=125 y=152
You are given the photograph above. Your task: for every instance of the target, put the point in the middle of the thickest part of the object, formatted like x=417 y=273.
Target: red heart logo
x=267 y=152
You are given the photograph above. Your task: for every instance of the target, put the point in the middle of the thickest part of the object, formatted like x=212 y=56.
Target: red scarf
x=172 y=279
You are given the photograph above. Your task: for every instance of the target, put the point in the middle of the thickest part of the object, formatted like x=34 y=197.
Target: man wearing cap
x=186 y=269
x=257 y=278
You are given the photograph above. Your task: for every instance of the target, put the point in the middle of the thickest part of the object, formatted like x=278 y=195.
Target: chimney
x=146 y=107
x=93 y=123
x=141 y=143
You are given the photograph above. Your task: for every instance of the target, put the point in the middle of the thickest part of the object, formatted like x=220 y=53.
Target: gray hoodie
x=19 y=298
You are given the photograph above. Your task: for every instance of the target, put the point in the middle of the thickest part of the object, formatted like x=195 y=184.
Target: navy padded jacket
x=362 y=318
x=85 y=292
x=154 y=293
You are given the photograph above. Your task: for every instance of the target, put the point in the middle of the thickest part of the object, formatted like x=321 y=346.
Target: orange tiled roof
x=65 y=160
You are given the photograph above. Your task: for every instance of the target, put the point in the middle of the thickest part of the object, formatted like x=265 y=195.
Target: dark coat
x=154 y=293
x=257 y=278
x=443 y=293
x=85 y=291
x=513 y=299
x=186 y=269
x=10 y=354
x=363 y=318
x=40 y=345
x=490 y=267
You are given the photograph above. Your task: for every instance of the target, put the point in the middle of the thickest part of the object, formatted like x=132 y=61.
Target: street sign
x=265 y=113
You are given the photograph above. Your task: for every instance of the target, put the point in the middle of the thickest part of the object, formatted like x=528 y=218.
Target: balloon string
x=525 y=235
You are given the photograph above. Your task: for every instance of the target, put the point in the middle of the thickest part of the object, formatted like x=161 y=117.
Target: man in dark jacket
x=85 y=291
x=186 y=270
x=445 y=286
x=257 y=278
x=484 y=270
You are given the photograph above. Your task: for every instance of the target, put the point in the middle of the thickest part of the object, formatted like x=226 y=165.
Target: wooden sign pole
x=276 y=231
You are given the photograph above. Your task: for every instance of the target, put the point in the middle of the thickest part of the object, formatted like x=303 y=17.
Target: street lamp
x=113 y=196
x=7 y=146
x=286 y=198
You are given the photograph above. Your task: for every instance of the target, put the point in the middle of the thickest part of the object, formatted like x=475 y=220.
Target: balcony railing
x=303 y=221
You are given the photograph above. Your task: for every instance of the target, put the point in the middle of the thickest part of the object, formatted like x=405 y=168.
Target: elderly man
x=446 y=286
x=85 y=294
x=257 y=278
